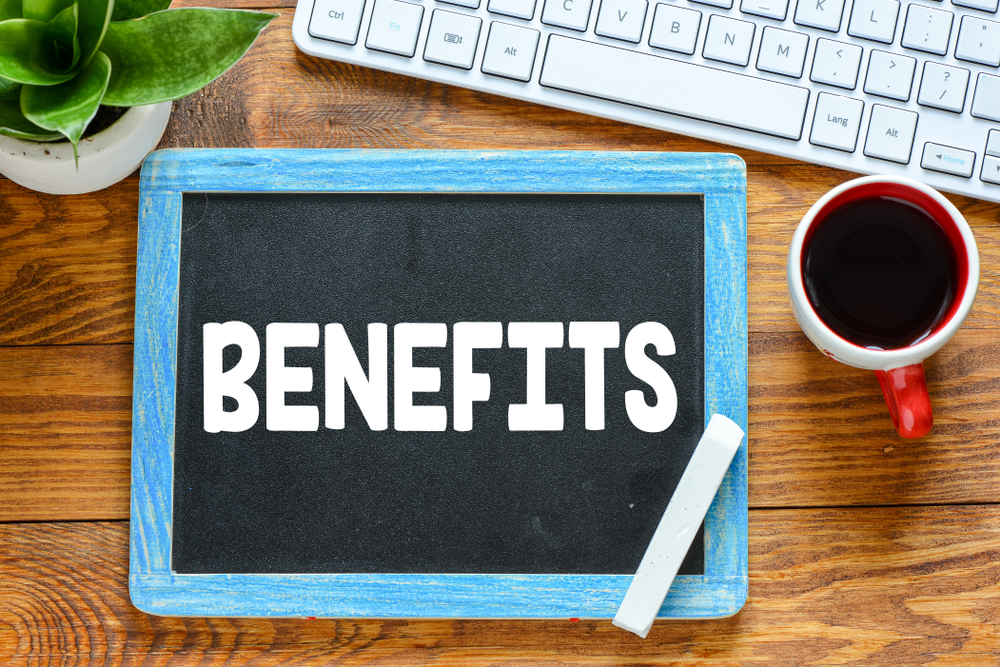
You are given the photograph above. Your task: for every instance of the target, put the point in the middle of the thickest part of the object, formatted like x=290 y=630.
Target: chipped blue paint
x=721 y=591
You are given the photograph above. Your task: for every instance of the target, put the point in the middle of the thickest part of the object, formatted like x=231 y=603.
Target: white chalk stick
x=679 y=525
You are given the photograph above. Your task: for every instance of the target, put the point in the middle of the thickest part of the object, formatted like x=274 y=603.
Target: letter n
x=343 y=368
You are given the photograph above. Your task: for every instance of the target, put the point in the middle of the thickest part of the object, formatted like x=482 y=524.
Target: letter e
x=283 y=379
x=408 y=379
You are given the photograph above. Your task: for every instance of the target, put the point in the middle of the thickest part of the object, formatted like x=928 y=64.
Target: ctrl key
x=337 y=20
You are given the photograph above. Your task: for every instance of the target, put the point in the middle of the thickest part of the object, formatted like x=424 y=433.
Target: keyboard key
x=890 y=75
x=943 y=87
x=993 y=143
x=836 y=63
x=822 y=14
x=724 y=4
x=985 y=5
x=572 y=14
x=471 y=4
x=927 y=29
x=675 y=28
x=874 y=20
x=991 y=170
x=978 y=41
x=948 y=160
x=986 y=102
x=890 y=134
x=510 y=51
x=685 y=89
x=452 y=39
x=836 y=122
x=728 y=40
x=782 y=52
x=772 y=9
x=621 y=19
x=521 y=9
x=337 y=20
x=394 y=27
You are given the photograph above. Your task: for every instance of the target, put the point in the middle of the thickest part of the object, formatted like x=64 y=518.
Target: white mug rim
x=840 y=349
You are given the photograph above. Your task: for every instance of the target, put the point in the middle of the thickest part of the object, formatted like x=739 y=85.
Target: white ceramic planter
x=105 y=158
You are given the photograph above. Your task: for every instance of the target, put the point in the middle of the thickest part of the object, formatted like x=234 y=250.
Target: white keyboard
x=872 y=86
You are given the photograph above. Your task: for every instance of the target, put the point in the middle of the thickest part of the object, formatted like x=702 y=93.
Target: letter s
x=645 y=417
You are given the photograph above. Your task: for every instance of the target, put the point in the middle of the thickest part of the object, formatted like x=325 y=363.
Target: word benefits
x=343 y=370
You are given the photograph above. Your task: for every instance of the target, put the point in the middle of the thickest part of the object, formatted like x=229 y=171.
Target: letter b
x=219 y=383
x=675 y=27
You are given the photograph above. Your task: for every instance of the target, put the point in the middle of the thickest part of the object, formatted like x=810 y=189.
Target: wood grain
x=819 y=432
x=901 y=586
x=65 y=429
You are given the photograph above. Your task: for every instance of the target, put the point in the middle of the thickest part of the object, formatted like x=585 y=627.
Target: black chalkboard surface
x=432 y=383
x=488 y=500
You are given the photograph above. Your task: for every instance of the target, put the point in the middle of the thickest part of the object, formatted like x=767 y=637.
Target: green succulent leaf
x=133 y=9
x=95 y=15
x=14 y=124
x=24 y=57
x=68 y=107
x=167 y=55
x=60 y=38
x=9 y=90
x=44 y=10
x=11 y=9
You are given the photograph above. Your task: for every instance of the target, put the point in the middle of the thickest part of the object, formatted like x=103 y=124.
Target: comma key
x=836 y=122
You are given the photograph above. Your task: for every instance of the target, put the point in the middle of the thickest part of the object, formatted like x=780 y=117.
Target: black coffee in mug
x=880 y=272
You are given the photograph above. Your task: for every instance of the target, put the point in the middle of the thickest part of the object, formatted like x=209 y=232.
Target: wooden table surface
x=864 y=548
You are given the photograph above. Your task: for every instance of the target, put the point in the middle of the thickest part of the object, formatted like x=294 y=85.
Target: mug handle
x=905 y=391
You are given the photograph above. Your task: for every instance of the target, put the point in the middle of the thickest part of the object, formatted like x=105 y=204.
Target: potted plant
x=63 y=60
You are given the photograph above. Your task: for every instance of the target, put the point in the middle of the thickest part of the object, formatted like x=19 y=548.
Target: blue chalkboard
x=495 y=520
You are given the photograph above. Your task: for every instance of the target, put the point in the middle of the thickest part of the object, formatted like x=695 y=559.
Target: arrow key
x=991 y=170
x=949 y=160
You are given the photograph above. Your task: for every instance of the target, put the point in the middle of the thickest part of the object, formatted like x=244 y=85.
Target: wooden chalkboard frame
x=720 y=178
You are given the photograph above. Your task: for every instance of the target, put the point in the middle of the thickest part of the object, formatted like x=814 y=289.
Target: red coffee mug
x=871 y=258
